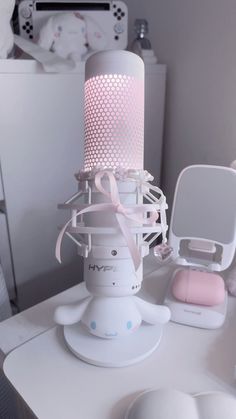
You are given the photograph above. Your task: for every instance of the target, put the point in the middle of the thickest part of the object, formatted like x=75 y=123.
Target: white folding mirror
x=203 y=237
x=203 y=222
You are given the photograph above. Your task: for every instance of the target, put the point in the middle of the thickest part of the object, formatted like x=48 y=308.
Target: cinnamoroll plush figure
x=112 y=312
x=6 y=34
x=71 y=36
x=112 y=317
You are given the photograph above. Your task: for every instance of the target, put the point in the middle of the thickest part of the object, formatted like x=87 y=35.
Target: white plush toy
x=6 y=34
x=71 y=36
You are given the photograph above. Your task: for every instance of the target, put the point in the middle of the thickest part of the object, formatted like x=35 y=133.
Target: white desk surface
x=56 y=385
x=30 y=323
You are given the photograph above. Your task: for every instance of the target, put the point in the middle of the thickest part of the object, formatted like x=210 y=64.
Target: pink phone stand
x=197 y=287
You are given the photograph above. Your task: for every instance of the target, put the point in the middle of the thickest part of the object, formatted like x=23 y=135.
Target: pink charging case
x=196 y=287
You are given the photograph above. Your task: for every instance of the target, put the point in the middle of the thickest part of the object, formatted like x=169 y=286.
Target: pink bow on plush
x=122 y=215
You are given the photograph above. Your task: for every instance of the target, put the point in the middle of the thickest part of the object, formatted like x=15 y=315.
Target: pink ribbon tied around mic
x=122 y=214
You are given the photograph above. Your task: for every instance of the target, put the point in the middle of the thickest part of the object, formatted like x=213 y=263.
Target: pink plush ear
x=96 y=37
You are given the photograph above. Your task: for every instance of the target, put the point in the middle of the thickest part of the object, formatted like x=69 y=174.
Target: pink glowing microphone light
x=114 y=111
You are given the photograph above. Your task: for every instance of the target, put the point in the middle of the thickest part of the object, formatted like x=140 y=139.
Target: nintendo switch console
x=111 y=16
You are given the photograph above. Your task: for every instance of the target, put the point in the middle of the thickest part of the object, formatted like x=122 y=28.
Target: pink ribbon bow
x=122 y=215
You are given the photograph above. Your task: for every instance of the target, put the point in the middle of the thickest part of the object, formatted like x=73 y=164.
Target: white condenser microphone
x=115 y=216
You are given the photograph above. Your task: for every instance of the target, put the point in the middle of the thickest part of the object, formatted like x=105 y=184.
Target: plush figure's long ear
x=97 y=39
x=46 y=35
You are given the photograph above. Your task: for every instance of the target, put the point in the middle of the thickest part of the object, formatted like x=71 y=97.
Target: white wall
x=197 y=41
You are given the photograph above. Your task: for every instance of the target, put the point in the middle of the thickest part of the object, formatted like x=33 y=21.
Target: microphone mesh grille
x=114 y=122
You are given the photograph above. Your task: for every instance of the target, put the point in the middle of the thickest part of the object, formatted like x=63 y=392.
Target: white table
x=56 y=385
